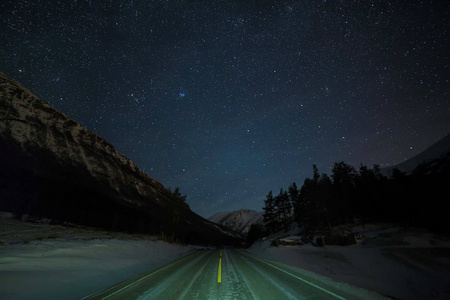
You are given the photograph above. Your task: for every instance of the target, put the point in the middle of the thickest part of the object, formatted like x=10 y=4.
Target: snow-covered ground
x=43 y=261
x=391 y=260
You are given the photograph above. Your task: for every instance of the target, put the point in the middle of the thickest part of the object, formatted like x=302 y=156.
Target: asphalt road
x=231 y=274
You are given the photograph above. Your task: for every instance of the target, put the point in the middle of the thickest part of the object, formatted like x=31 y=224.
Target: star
x=245 y=91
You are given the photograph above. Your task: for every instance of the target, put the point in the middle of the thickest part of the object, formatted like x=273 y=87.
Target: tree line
x=416 y=199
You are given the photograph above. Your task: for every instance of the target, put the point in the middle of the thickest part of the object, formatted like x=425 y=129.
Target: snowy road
x=231 y=274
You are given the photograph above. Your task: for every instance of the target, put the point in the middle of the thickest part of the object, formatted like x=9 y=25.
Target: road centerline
x=219 y=275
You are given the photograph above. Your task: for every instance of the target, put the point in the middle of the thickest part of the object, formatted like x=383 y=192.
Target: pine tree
x=313 y=200
x=293 y=197
x=285 y=209
x=316 y=175
x=269 y=213
x=305 y=205
x=256 y=232
x=325 y=198
x=344 y=180
x=293 y=193
x=279 y=214
x=176 y=195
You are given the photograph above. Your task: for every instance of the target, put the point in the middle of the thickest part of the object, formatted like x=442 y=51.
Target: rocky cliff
x=52 y=166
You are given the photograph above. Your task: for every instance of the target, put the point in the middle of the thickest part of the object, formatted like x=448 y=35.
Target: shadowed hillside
x=51 y=166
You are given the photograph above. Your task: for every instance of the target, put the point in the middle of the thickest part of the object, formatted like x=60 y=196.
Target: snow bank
x=72 y=268
x=393 y=261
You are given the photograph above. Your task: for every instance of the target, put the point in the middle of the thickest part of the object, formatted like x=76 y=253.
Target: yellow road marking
x=219 y=276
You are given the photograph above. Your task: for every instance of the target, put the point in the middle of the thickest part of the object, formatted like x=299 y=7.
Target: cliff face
x=52 y=166
x=32 y=123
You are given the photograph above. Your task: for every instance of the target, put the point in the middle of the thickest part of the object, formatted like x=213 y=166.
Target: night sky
x=231 y=99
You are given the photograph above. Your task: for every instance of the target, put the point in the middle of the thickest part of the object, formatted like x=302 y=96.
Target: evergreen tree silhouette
x=344 y=177
x=294 y=198
x=176 y=195
x=270 y=213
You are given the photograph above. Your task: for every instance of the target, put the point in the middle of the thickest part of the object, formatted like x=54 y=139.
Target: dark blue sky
x=231 y=99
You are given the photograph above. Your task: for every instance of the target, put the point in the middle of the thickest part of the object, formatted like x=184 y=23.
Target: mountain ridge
x=239 y=220
x=53 y=166
x=435 y=151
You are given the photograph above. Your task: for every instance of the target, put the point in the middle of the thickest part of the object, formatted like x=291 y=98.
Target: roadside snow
x=75 y=262
x=393 y=261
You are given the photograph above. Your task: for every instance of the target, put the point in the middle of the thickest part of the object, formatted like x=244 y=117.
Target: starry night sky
x=231 y=99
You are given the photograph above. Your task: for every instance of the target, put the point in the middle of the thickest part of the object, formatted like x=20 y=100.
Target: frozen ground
x=43 y=261
x=393 y=261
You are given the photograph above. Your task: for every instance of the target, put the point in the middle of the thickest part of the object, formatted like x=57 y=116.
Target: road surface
x=231 y=274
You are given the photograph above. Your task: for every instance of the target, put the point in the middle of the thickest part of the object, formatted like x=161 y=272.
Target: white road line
x=299 y=278
x=189 y=286
x=246 y=282
x=140 y=279
x=134 y=282
x=286 y=291
x=155 y=291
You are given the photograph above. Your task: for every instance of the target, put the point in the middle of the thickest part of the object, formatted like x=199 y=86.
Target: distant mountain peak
x=239 y=220
x=435 y=151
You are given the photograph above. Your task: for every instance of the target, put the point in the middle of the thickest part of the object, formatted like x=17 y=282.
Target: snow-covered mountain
x=52 y=166
x=239 y=221
x=436 y=151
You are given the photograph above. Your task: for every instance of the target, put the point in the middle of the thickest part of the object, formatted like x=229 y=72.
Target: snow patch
x=42 y=261
x=390 y=260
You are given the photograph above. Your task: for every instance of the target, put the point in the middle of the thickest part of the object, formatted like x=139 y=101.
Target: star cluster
x=231 y=99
